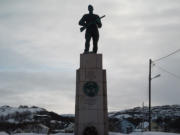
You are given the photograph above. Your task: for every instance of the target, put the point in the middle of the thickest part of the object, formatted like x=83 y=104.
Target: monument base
x=91 y=97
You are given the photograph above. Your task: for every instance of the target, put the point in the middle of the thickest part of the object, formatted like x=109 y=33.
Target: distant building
x=42 y=118
x=127 y=127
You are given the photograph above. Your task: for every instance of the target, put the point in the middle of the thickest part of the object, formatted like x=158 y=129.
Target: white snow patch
x=122 y=116
x=110 y=133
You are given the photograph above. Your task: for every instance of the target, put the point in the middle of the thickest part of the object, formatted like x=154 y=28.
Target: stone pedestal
x=91 y=97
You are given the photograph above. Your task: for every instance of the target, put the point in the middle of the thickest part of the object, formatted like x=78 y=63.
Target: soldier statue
x=91 y=22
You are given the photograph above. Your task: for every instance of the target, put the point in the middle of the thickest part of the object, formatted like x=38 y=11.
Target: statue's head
x=90 y=8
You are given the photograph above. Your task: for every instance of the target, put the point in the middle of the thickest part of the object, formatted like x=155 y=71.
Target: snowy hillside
x=15 y=114
x=7 y=110
x=38 y=120
x=164 y=118
x=157 y=111
x=32 y=119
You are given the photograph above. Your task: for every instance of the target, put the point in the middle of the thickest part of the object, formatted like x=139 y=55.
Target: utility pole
x=150 y=62
x=143 y=117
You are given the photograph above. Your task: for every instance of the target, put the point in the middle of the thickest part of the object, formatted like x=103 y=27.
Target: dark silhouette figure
x=90 y=131
x=91 y=22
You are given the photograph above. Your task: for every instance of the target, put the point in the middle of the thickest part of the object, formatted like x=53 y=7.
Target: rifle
x=84 y=27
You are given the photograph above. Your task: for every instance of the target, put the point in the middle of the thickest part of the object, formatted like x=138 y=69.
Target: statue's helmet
x=90 y=8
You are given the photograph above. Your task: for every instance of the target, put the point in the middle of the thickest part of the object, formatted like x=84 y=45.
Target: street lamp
x=156 y=76
x=150 y=78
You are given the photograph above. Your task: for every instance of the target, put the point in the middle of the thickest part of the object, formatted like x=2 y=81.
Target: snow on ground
x=153 y=133
x=3 y=133
x=111 y=133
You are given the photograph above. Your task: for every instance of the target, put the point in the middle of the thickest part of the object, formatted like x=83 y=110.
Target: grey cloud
x=40 y=45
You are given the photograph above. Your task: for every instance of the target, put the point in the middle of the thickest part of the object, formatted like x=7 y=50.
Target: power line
x=174 y=75
x=167 y=55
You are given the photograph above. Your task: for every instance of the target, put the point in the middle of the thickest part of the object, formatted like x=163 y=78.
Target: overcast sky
x=40 y=44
